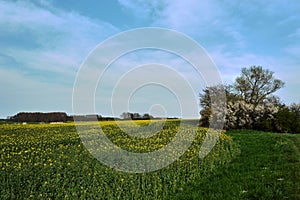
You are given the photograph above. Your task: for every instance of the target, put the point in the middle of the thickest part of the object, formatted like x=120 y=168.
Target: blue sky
x=43 y=43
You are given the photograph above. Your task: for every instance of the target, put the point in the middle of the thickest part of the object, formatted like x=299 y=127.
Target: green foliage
x=288 y=119
x=43 y=161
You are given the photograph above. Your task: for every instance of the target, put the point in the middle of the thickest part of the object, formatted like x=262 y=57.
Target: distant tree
x=136 y=116
x=256 y=84
x=40 y=117
x=126 y=115
x=147 y=116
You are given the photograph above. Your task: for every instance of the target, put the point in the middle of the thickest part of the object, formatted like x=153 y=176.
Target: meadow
x=49 y=161
x=268 y=167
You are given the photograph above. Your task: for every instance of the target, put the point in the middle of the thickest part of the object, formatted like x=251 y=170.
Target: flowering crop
x=49 y=161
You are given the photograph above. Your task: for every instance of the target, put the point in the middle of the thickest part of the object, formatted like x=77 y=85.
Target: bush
x=287 y=119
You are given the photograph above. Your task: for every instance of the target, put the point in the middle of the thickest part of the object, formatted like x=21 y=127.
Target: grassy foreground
x=267 y=168
x=44 y=161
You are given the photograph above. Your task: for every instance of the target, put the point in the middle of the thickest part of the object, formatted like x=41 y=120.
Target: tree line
x=40 y=117
x=251 y=104
x=135 y=116
x=32 y=117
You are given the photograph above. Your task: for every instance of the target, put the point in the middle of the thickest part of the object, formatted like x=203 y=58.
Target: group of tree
x=92 y=117
x=135 y=116
x=250 y=104
x=33 y=117
x=40 y=117
x=36 y=117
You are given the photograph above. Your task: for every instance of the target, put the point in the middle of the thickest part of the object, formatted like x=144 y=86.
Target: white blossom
x=243 y=115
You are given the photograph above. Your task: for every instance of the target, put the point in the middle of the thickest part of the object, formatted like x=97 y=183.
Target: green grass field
x=49 y=161
x=267 y=168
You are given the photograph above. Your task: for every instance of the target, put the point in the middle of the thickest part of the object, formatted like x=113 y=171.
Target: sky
x=43 y=44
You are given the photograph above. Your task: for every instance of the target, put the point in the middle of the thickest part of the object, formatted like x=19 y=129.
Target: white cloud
x=64 y=39
x=207 y=21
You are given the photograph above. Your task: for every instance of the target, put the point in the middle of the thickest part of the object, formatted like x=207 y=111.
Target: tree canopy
x=256 y=84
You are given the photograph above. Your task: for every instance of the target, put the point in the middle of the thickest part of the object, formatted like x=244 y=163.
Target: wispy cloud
x=62 y=39
x=205 y=21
